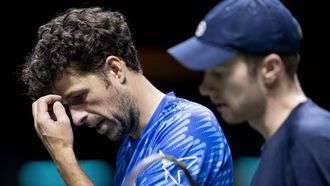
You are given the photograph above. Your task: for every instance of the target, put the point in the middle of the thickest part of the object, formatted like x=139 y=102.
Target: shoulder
x=305 y=132
x=311 y=128
x=309 y=120
x=195 y=110
x=194 y=115
x=191 y=117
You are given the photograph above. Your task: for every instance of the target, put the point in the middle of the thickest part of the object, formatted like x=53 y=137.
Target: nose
x=205 y=88
x=78 y=116
x=202 y=89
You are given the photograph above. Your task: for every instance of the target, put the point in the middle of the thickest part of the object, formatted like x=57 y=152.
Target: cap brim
x=195 y=54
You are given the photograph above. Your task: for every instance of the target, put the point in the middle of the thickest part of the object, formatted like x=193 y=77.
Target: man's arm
x=68 y=167
x=54 y=130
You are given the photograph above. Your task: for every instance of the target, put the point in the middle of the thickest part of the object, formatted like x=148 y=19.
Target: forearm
x=54 y=129
x=69 y=168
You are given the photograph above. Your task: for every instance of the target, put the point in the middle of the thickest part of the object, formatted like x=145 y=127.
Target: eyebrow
x=75 y=92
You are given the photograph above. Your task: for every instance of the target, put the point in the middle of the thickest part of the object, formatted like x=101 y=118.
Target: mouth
x=101 y=127
x=99 y=124
x=93 y=124
x=218 y=103
x=220 y=106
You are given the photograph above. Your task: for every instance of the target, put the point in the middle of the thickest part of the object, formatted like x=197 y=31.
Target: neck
x=280 y=103
x=147 y=97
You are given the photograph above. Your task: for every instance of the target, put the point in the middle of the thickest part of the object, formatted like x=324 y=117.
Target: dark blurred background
x=156 y=26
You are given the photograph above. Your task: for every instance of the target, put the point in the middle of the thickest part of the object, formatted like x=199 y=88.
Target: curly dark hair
x=81 y=38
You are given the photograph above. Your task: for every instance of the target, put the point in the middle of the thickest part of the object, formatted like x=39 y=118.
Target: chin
x=111 y=138
x=114 y=137
x=233 y=120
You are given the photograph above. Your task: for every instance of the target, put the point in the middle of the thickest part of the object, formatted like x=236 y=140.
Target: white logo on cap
x=201 y=28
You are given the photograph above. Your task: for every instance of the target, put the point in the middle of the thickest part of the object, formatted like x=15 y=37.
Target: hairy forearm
x=69 y=168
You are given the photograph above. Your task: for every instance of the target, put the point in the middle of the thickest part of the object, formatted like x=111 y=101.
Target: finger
x=42 y=105
x=50 y=99
x=35 y=114
x=34 y=110
x=60 y=113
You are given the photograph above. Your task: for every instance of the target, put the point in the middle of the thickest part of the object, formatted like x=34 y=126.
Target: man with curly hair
x=85 y=59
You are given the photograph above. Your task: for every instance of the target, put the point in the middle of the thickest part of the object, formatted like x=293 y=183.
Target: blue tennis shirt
x=298 y=154
x=187 y=131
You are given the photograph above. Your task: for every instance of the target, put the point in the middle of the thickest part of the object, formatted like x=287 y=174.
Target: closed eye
x=77 y=98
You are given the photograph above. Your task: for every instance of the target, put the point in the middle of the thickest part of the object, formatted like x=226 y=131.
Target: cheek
x=235 y=89
x=242 y=92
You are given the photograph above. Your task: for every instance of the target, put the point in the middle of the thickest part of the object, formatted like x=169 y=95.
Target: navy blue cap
x=233 y=26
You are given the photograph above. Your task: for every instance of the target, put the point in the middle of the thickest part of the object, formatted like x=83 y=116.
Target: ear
x=115 y=68
x=271 y=68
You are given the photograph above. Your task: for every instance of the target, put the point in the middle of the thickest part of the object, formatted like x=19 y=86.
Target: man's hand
x=54 y=129
x=52 y=124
